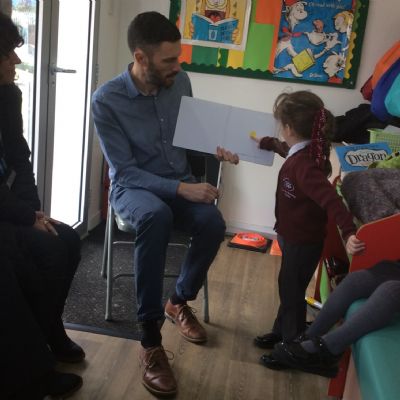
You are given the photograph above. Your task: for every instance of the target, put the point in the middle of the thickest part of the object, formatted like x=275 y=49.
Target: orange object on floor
x=249 y=241
x=275 y=249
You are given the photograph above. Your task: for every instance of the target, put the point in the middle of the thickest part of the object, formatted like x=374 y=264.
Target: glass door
x=63 y=153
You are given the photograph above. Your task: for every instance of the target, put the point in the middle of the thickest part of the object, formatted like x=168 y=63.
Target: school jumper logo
x=288 y=188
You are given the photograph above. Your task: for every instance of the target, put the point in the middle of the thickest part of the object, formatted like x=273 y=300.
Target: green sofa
x=377 y=361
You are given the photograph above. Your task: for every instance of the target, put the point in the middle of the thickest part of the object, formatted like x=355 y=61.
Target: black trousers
x=46 y=274
x=25 y=356
x=299 y=262
x=36 y=271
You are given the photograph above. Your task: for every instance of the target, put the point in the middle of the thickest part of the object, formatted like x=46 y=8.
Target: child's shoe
x=322 y=362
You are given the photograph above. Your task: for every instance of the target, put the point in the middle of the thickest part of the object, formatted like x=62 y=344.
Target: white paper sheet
x=203 y=125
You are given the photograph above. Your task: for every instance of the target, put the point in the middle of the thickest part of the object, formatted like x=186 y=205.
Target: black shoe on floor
x=68 y=352
x=322 y=362
x=270 y=362
x=60 y=384
x=267 y=341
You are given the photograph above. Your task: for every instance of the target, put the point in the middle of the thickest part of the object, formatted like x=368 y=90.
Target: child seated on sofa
x=321 y=349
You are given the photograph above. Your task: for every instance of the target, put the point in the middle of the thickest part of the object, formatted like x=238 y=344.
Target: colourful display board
x=317 y=42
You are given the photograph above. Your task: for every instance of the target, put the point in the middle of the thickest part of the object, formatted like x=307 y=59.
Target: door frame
x=46 y=56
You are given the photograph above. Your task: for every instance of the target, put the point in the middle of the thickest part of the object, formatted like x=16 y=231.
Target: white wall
x=109 y=38
x=248 y=190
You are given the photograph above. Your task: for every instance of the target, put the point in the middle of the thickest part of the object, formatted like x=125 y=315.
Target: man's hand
x=225 y=155
x=198 y=192
x=354 y=245
x=45 y=223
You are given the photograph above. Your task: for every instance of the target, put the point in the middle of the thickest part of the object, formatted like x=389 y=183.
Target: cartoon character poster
x=215 y=23
x=313 y=40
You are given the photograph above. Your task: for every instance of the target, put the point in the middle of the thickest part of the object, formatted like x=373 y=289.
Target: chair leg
x=206 y=317
x=105 y=250
x=110 y=276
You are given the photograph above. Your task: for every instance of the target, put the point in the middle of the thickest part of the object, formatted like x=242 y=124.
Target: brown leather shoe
x=189 y=327
x=157 y=375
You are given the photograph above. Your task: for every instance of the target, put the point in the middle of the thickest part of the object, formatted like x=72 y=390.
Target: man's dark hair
x=10 y=37
x=150 y=29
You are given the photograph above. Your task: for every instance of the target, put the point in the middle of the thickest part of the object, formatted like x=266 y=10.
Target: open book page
x=203 y=125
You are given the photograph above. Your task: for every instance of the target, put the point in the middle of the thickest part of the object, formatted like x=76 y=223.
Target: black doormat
x=85 y=306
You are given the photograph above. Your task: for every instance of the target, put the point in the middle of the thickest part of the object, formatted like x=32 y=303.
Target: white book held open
x=203 y=125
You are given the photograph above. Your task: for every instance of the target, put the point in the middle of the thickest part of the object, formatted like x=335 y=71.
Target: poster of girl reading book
x=313 y=40
x=215 y=23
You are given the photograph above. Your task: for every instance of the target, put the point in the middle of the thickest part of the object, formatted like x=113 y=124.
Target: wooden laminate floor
x=243 y=301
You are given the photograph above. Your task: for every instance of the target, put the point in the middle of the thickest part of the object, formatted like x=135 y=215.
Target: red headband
x=318 y=138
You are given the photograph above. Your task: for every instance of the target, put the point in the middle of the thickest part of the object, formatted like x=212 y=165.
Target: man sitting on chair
x=152 y=186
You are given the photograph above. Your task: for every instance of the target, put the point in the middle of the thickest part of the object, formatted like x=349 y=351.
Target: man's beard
x=155 y=78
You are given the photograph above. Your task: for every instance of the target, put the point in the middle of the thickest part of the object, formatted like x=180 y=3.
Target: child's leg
x=298 y=265
x=375 y=313
x=355 y=286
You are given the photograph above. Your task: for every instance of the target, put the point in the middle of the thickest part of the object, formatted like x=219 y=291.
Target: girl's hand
x=255 y=138
x=354 y=245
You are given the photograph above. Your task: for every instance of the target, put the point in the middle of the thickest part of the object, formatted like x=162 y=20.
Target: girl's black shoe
x=267 y=341
x=322 y=362
x=270 y=362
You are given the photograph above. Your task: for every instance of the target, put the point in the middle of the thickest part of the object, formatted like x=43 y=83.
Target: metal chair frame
x=107 y=261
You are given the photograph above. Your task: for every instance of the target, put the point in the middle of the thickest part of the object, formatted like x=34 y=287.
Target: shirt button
x=171 y=163
x=164 y=141
x=162 y=119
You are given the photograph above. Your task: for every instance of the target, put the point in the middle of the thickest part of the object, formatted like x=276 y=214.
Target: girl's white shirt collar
x=297 y=147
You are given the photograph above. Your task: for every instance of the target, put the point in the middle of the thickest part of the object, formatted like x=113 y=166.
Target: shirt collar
x=297 y=147
x=130 y=85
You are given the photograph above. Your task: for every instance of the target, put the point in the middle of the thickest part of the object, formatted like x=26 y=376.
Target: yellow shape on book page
x=253 y=134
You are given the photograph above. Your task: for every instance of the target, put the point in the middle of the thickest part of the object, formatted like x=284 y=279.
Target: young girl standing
x=304 y=201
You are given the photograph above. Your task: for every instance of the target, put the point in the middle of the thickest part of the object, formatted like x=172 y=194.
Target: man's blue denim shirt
x=136 y=134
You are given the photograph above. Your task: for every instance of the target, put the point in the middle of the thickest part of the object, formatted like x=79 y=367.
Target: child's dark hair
x=301 y=111
x=10 y=37
x=150 y=29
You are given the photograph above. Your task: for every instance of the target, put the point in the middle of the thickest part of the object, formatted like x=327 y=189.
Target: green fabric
x=324 y=285
x=391 y=161
x=204 y=55
x=377 y=361
x=223 y=57
x=253 y=11
x=258 y=48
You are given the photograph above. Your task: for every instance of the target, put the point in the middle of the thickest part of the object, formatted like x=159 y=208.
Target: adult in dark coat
x=27 y=363
x=39 y=256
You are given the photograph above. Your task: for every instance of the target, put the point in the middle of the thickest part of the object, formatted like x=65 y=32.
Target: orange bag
x=385 y=62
